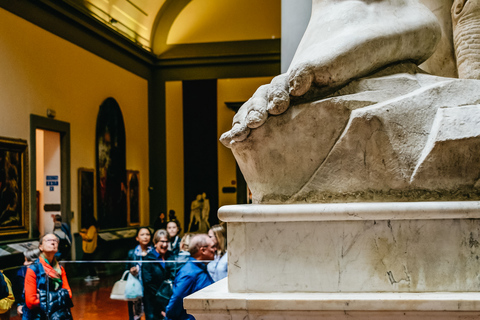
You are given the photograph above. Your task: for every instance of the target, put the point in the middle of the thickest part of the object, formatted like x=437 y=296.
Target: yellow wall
x=221 y=20
x=39 y=70
x=231 y=90
x=174 y=135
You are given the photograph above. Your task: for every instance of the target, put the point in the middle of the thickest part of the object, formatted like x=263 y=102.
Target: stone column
x=295 y=17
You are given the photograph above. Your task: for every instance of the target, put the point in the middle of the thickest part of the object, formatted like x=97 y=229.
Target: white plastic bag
x=118 y=290
x=133 y=288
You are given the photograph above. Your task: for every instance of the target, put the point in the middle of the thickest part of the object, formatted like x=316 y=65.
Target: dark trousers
x=90 y=266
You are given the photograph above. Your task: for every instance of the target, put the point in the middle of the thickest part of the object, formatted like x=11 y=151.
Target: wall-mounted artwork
x=86 y=196
x=111 y=166
x=13 y=187
x=133 y=200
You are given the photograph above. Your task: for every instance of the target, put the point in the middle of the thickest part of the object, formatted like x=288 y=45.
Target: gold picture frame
x=86 y=195
x=14 y=205
x=133 y=197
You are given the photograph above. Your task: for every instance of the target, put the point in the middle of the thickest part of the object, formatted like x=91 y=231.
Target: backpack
x=64 y=245
x=6 y=302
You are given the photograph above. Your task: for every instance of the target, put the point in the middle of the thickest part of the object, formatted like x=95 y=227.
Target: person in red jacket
x=46 y=285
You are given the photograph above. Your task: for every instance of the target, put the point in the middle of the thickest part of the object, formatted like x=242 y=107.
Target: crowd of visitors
x=168 y=266
x=173 y=268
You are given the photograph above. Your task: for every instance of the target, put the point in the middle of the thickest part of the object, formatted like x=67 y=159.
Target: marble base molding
x=217 y=303
x=415 y=260
x=357 y=247
x=351 y=211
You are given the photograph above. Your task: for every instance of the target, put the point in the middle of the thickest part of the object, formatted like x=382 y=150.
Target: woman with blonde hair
x=155 y=271
x=218 y=268
x=184 y=254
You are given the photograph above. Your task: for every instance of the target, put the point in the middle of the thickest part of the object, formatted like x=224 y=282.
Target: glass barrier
x=91 y=283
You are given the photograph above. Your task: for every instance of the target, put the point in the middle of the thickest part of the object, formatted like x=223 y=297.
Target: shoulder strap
x=39 y=271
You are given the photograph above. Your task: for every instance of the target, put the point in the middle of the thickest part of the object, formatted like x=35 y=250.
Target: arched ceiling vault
x=153 y=24
x=163 y=22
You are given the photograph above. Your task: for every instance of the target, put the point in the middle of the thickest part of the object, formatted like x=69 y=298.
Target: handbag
x=118 y=290
x=164 y=292
x=133 y=288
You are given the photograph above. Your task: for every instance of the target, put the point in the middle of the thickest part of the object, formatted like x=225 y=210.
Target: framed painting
x=133 y=199
x=110 y=165
x=86 y=196
x=14 y=218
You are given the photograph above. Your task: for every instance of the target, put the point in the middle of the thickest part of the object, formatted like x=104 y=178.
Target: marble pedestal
x=333 y=261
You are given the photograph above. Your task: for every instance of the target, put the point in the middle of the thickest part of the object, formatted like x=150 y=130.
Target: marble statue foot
x=344 y=40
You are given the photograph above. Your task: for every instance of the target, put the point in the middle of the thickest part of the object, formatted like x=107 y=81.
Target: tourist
x=30 y=256
x=154 y=272
x=193 y=276
x=143 y=237
x=89 y=245
x=173 y=229
x=62 y=231
x=219 y=266
x=184 y=255
x=6 y=297
x=46 y=285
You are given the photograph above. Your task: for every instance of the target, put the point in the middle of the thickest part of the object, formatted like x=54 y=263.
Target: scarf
x=139 y=254
x=53 y=270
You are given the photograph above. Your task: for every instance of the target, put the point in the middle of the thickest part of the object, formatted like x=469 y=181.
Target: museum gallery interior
x=334 y=140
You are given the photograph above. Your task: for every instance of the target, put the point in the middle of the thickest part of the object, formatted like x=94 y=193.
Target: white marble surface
x=216 y=302
x=466 y=37
x=354 y=255
x=344 y=40
x=352 y=121
x=351 y=211
x=381 y=138
x=218 y=296
x=442 y=62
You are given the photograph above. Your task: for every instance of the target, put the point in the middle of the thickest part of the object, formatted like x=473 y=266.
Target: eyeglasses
x=51 y=240
x=213 y=247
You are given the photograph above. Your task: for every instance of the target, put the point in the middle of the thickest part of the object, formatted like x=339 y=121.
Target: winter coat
x=193 y=276
x=153 y=275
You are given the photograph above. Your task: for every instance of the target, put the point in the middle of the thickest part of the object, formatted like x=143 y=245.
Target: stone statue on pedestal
x=355 y=119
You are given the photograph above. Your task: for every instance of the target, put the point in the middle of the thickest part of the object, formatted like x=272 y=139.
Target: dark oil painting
x=111 y=172
x=13 y=190
x=133 y=197
x=86 y=196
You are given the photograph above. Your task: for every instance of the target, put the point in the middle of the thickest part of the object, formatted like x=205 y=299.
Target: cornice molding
x=83 y=30
x=221 y=53
x=77 y=27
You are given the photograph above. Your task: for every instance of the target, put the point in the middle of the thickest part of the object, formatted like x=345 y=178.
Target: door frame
x=39 y=122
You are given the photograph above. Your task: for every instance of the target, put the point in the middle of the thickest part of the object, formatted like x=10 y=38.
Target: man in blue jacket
x=193 y=276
